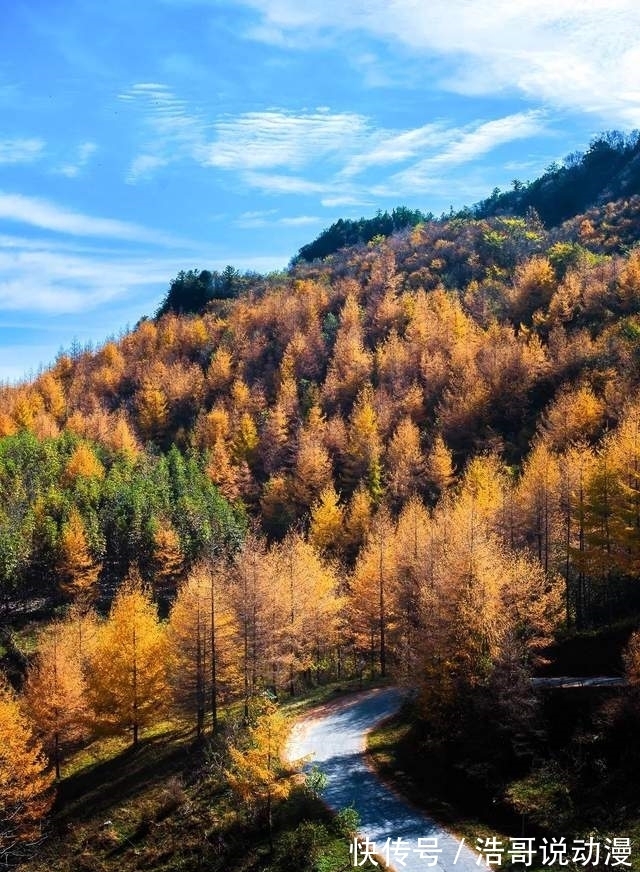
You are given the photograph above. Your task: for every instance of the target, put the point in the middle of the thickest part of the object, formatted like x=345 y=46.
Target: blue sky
x=141 y=137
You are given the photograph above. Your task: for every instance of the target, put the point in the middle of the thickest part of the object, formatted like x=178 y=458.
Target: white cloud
x=171 y=131
x=46 y=281
x=274 y=138
x=274 y=183
x=566 y=53
x=299 y=220
x=258 y=218
x=313 y=152
x=48 y=216
x=18 y=151
x=144 y=165
x=267 y=218
x=332 y=201
x=41 y=276
x=390 y=147
x=252 y=141
x=73 y=168
x=466 y=146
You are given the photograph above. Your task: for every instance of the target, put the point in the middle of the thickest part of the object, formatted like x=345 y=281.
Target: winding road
x=334 y=738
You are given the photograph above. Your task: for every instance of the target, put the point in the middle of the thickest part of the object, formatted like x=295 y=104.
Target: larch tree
x=55 y=691
x=364 y=447
x=220 y=372
x=305 y=617
x=415 y=569
x=358 y=517
x=624 y=451
x=152 y=410
x=372 y=592
x=25 y=784
x=404 y=462
x=312 y=471
x=77 y=569
x=351 y=363
x=245 y=439
x=252 y=595
x=538 y=498
x=52 y=392
x=439 y=470
x=222 y=472
x=168 y=560
x=203 y=637
x=83 y=464
x=574 y=415
x=605 y=530
x=126 y=674
x=576 y=466
x=326 y=531
x=257 y=775
x=274 y=439
x=121 y=438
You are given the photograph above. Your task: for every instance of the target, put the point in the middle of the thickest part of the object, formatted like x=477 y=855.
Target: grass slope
x=166 y=806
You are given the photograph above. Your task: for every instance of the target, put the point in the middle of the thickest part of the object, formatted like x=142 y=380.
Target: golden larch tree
x=304 y=617
x=83 y=463
x=55 y=691
x=372 y=592
x=168 y=559
x=257 y=775
x=126 y=675
x=25 y=784
x=203 y=643
x=439 y=470
x=222 y=472
x=404 y=462
x=326 y=531
x=77 y=569
x=312 y=471
x=152 y=410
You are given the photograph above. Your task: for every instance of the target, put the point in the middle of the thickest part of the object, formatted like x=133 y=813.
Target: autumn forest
x=414 y=458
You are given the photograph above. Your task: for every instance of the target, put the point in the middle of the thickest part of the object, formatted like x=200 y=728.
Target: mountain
x=417 y=456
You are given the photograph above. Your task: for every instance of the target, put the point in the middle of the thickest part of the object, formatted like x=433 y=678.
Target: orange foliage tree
x=25 y=783
x=127 y=674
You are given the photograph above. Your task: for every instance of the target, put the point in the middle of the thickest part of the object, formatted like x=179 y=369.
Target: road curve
x=334 y=738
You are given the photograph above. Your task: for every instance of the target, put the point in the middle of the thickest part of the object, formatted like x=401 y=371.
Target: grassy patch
x=295 y=706
x=166 y=806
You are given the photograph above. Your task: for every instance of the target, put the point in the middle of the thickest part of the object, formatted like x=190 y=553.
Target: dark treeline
x=607 y=170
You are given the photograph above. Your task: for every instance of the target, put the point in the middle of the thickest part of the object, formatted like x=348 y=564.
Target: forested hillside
x=418 y=457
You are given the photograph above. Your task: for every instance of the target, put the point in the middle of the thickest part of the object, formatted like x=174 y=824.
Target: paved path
x=335 y=736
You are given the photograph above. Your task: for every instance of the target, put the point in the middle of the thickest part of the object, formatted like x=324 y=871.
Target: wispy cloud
x=464 y=147
x=313 y=153
x=564 y=53
x=144 y=166
x=83 y=155
x=389 y=147
x=42 y=276
x=171 y=129
x=274 y=138
x=20 y=151
x=268 y=218
x=299 y=220
x=248 y=142
x=49 y=216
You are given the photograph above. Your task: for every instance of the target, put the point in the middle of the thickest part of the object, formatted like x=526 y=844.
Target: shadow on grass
x=95 y=789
